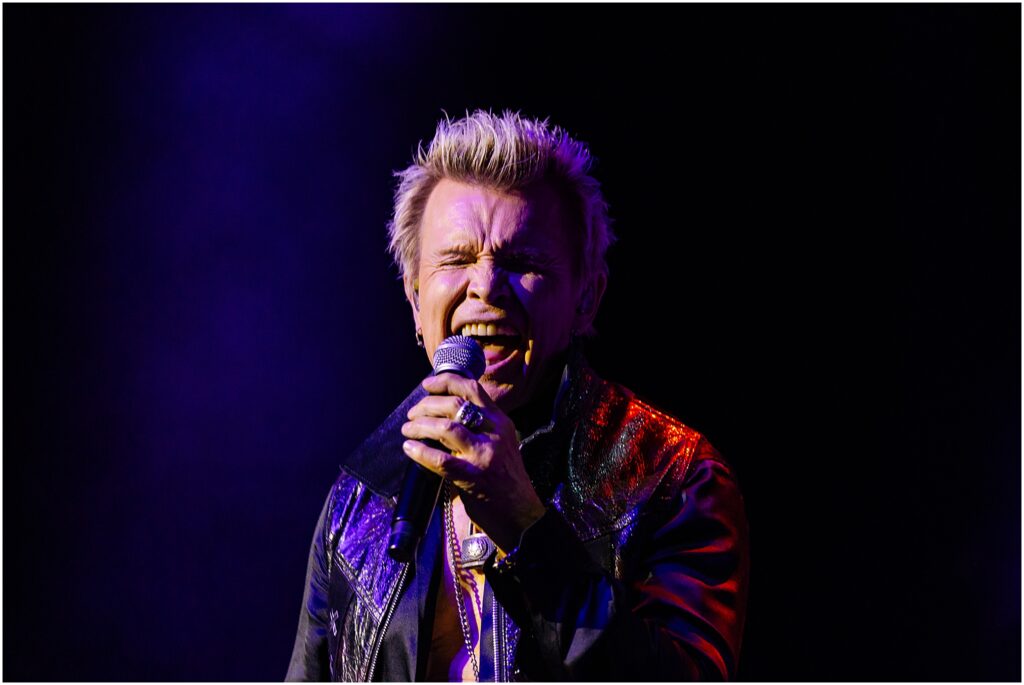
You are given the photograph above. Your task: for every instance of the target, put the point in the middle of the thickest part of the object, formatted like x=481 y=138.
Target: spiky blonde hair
x=506 y=152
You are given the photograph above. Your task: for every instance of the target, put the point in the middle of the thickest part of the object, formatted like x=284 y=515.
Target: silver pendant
x=476 y=550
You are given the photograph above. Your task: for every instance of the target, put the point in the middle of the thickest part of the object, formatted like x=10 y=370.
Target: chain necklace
x=454 y=563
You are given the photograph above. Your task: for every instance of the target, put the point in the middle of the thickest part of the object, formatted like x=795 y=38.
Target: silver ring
x=470 y=416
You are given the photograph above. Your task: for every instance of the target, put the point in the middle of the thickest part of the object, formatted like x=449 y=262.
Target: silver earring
x=419 y=337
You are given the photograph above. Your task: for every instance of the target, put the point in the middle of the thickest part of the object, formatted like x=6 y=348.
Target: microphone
x=457 y=354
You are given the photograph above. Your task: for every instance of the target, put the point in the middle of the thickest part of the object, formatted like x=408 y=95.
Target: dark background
x=819 y=267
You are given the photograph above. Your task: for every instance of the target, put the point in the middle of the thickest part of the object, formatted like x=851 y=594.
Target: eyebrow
x=455 y=250
x=523 y=252
x=504 y=252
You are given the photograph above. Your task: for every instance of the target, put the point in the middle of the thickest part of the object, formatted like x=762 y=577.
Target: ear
x=412 y=294
x=589 y=302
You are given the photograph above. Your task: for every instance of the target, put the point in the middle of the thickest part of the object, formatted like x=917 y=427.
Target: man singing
x=581 y=534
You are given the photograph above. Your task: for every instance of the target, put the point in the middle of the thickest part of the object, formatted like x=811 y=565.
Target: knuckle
x=440 y=461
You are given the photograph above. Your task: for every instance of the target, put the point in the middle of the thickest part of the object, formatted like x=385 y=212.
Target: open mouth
x=499 y=342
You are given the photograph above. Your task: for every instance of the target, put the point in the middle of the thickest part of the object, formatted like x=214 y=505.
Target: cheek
x=547 y=303
x=438 y=298
x=529 y=288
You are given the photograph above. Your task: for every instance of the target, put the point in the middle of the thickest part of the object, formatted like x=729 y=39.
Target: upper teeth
x=486 y=329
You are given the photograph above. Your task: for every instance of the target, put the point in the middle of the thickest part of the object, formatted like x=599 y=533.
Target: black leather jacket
x=638 y=570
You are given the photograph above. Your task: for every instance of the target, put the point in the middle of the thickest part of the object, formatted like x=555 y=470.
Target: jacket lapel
x=379 y=462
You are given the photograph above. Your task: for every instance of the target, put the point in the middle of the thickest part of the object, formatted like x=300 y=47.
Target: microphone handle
x=416 y=502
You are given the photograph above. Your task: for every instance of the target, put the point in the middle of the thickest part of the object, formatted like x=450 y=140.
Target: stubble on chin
x=509 y=396
x=497 y=391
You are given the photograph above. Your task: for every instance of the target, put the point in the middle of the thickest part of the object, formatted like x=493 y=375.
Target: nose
x=487 y=282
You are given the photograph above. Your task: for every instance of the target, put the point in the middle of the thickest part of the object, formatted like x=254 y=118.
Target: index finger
x=453 y=384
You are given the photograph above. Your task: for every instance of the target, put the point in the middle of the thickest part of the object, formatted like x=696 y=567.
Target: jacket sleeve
x=679 y=613
x=309 y=655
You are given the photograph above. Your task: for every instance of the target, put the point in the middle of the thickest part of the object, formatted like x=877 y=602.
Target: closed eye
x=455 y=258
x=523 y=264
x=456 y=261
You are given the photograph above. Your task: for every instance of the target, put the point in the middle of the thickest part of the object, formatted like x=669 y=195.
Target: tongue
x=498 y=340
x=497 y=347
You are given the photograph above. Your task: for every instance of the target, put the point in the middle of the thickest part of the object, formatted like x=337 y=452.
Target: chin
x=508 y=396
x=498 y=391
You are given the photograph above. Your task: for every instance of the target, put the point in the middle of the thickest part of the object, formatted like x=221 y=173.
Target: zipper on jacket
x=498 y=628
x=494 y=632
x=389 y=611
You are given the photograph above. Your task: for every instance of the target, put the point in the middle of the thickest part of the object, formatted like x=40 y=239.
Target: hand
x=484 y=464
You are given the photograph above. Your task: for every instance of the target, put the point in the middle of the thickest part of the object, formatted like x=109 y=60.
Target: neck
x=539 y=410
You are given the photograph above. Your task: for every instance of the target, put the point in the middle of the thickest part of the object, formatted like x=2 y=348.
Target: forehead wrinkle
x=506 y=222
x=462 y=217
x=486 y=220
x=488 y=223
x=460 y=230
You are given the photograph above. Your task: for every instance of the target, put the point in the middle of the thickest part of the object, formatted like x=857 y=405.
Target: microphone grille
x=462 y=355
